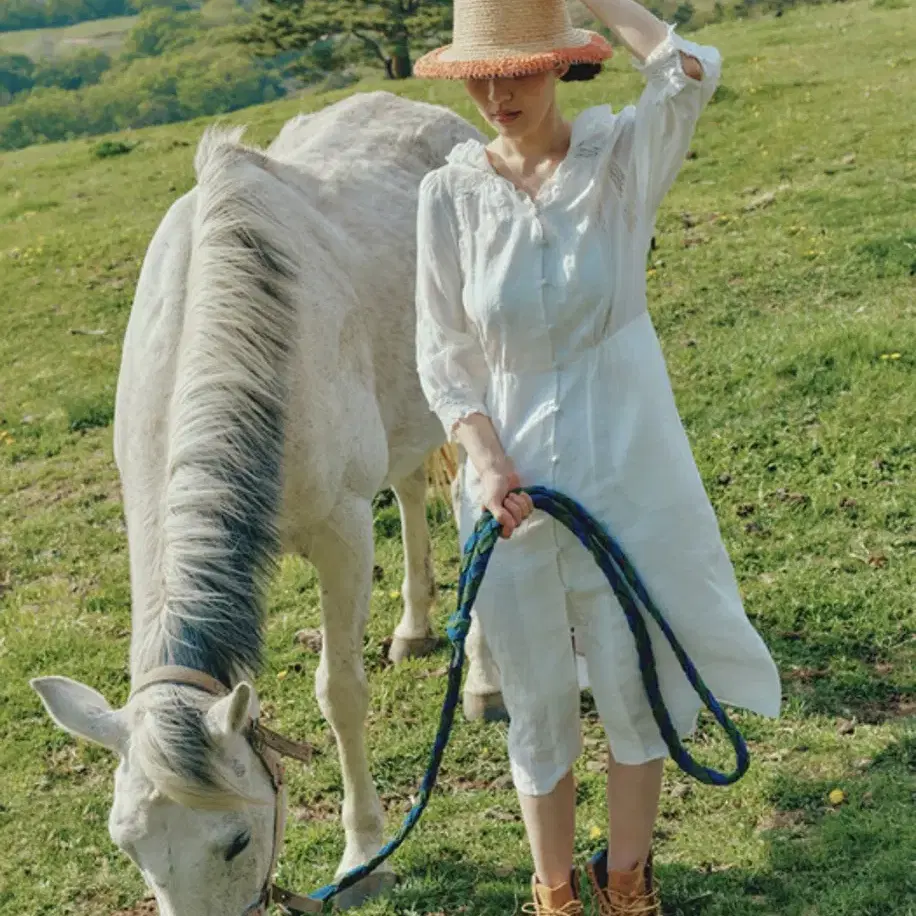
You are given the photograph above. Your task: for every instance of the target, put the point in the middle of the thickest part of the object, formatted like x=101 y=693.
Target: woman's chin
x=510 y=128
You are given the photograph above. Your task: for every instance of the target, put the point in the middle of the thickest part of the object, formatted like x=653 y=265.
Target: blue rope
x=630 y=593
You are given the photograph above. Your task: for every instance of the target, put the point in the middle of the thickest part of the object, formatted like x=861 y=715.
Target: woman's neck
x=549 y=140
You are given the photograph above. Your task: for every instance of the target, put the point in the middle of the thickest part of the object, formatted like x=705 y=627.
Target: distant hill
x=163 y=65
x=103 y=34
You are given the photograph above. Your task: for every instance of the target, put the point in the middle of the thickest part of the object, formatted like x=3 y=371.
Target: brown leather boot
x=624 y=893
x=562 y=900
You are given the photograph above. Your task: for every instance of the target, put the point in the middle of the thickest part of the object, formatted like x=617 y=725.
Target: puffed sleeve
x=450 y=361
x=666 y=115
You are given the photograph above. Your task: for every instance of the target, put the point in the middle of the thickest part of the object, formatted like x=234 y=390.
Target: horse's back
x=364 y=159
x=377 y=128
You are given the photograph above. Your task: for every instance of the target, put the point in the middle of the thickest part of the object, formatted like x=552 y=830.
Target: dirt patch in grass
x=898 y=706
x=144 y=908
x=791 y=821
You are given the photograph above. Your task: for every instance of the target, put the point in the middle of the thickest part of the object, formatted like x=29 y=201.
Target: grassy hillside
x=171 y=66
x=104 y=34
x=783 y=290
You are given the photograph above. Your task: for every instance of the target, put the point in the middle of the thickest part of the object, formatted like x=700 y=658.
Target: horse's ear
x=82 y=711
x=232 y=714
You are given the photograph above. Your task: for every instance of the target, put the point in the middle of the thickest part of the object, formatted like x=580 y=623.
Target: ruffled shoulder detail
x=471 y=153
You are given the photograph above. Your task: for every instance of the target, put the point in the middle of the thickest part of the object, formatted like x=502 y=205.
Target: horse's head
x=194 y=805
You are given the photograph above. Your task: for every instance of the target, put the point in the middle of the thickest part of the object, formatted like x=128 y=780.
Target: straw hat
x=502 y=38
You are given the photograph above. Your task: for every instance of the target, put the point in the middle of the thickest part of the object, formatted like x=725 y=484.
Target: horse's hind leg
x=483 y=698
x=342 y=550
x=413 y=635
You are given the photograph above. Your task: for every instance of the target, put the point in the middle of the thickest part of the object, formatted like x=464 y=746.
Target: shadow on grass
x=854 y=858
x=852 y=683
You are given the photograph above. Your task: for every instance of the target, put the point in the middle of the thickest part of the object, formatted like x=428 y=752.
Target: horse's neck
x=147 y=642
x=158 y=640
x=156 y=637
x=148 y=602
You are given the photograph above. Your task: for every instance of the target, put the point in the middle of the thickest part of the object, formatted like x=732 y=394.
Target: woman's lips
x=506 y=117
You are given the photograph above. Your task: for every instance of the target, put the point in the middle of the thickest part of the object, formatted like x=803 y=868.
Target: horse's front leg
x=413 y=635
x=342 y=550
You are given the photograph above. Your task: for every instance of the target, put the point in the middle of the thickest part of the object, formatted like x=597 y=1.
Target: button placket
x=555 y=421
x=538 y=235
x=553 y=409
x=539 y=238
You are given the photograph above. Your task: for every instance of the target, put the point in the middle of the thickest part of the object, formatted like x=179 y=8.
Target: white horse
x=267 y=392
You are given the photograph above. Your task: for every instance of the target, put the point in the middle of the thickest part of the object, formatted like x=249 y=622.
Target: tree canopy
x=388 y=32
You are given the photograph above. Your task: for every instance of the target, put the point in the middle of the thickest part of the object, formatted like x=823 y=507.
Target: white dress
x=533 y=312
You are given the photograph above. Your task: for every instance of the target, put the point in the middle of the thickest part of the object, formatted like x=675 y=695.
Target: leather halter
x=269 y=747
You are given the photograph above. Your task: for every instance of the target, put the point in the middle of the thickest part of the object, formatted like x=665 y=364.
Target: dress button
x=554 y=459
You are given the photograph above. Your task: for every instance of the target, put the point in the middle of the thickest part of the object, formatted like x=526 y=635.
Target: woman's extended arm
x=639 y=30
x=681 y=77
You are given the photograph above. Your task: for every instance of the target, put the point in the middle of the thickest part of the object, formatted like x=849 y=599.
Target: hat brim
x=442 y=64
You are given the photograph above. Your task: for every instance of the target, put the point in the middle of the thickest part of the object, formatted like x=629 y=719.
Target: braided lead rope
x=632 y=596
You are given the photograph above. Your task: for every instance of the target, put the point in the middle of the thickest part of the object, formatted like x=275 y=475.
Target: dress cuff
x=664 y=68
x=451 y=412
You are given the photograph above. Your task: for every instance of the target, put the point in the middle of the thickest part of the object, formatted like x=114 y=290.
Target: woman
x=536 y=351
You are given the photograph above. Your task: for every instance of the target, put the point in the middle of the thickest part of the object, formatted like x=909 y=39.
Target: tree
x=160 y=29
x=388 y=30
x=16 y=75
x=684 y=13
x=84 y=68
x=150 y=90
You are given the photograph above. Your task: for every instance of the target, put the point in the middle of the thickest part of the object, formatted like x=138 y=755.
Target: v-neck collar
x=544 y=187
x=473 y=154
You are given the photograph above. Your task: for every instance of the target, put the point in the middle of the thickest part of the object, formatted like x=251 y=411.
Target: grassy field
x=104 y=34
x=783 y=290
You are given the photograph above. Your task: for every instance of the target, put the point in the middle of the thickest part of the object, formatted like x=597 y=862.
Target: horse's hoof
x=418 y=647
x=486 y=706
x=375 y=885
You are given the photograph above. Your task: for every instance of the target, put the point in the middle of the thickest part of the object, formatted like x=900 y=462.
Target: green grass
x=790 y=333
x=103 y=34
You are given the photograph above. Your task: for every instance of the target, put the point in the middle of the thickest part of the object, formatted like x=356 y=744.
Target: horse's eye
x=237 y=846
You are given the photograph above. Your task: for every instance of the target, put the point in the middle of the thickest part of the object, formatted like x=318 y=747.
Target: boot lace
x=614 y=904
x=573 y=908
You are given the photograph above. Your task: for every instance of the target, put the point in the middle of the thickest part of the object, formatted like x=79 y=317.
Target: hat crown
x=511 y=38
x=501 y=24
